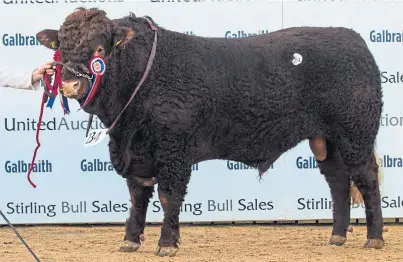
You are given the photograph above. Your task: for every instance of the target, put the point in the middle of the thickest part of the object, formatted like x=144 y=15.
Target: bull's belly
x=255 y=143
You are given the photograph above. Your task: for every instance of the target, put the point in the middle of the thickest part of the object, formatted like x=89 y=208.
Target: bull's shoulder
x=128 y=152
x=170 y=115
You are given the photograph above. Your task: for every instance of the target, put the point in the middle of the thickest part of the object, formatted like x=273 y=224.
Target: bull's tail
x=355 y=193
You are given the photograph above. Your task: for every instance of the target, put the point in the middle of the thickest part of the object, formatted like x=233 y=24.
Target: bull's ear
x=122 y=35
x=48 y=38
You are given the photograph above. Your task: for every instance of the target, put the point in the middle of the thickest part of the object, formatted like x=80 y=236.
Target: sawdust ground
x=199 y=243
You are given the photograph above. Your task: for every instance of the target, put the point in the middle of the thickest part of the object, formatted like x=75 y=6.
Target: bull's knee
x=318 y=148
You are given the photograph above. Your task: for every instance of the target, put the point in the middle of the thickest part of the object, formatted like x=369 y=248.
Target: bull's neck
x=124 y=71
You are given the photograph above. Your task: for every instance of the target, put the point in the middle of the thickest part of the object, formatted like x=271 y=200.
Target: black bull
x=247 y=100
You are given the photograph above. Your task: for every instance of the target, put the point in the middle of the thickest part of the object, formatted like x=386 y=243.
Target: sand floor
x=198 y=243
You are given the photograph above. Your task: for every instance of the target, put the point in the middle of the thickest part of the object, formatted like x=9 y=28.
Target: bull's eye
x=99 y=51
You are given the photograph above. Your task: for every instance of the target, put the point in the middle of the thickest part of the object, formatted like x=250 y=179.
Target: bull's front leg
x=173 y=178
x=140 y=189
x=140 y=196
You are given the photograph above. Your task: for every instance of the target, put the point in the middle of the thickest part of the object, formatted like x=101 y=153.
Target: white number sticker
x=95 y=137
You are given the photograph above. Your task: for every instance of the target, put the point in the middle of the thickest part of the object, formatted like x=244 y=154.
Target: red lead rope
x=54 y=91
x=38 y=144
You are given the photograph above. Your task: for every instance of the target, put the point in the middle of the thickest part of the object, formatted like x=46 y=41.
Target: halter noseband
x=76 y=73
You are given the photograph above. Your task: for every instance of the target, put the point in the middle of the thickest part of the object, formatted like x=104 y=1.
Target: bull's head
x=85 y=33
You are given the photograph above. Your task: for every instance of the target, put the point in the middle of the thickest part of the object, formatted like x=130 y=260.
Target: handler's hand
x=37 y=74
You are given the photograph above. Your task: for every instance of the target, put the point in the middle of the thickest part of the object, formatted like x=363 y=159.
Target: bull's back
x=267 y=87
x=265 y=70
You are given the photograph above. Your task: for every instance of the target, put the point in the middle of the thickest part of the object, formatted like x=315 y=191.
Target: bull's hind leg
x=140 y=196
x=336 y=175
x=356 y=194
x=366 y=180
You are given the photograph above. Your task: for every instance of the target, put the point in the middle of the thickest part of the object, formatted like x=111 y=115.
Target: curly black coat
x=236 y=99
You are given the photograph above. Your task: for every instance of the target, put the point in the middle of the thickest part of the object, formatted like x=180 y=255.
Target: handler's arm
x=18 y=80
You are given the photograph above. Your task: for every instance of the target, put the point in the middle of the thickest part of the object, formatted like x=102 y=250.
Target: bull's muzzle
x=70 y=89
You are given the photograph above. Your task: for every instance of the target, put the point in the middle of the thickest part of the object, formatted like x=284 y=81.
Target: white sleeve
x=18 y=80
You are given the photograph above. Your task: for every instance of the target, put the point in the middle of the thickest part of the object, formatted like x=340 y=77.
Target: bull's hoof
x=129 y=246
x=337 y=240
x=385 y=229
x=167 y=251
x=374 y=243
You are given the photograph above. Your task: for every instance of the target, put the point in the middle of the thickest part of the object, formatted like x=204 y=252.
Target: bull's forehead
x=78 y=45
x=74 y=33
x=75 y=51
x=83 y=25
x=76 y=36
